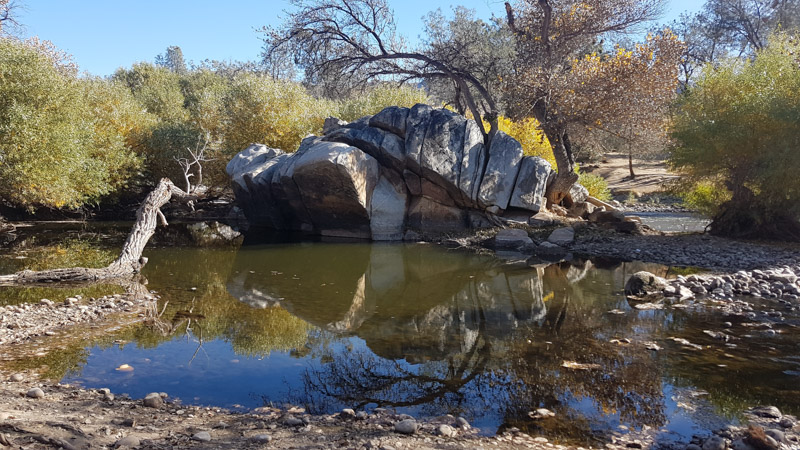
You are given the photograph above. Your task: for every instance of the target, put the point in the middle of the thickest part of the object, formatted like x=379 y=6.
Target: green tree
x=172 y=59
x=739 y=129
x=57 y=148
x=156 y=88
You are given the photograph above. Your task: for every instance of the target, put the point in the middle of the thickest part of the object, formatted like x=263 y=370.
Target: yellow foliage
x=530 y=135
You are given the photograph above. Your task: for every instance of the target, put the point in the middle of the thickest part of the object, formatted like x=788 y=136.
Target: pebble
x=262 y=438
x=787 y=422
x=347 y=413
x=202 y=436
x=407 y=426
x=445 y=430
x=17 y=377
x=127 y=441
x=462 y=423
x=293 y=422
x=715 y=443
x=35 y=393
x=153 y=400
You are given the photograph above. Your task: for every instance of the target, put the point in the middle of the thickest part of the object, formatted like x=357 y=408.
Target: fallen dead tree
x=130 y=260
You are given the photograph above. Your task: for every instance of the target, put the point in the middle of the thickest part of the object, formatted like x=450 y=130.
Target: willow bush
x=64 y=140
x=738 y=130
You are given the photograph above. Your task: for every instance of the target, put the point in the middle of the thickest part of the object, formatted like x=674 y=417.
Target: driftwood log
x=130 y=260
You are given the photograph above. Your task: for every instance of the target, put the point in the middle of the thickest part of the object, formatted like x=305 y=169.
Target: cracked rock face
x=404 y=169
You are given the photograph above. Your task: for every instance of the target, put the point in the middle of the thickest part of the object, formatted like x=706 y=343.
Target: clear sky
x=103 y=35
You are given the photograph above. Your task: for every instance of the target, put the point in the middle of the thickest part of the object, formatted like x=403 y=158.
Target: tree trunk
x=565 y=164
x=630 y=164
x=130 y=260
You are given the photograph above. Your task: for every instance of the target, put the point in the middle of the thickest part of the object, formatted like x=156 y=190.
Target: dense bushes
x=737 y=135
x=64 y=141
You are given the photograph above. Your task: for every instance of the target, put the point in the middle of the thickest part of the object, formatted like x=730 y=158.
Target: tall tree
x=357 y=39
x=731 y=28
x=564 y=84
x=172 y=59
x=6 y=15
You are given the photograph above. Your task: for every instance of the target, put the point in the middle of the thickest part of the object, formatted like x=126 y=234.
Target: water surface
x=431 y=331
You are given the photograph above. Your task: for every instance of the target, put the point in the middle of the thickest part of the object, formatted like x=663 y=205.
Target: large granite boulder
x=404 y=169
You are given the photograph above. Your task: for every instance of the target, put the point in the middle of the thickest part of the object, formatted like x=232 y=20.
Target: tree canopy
x=738 y=130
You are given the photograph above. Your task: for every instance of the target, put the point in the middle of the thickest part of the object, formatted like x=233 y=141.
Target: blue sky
x=103 y=35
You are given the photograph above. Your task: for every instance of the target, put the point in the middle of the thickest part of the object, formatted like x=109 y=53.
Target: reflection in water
x=462 y=334
x=431 y=331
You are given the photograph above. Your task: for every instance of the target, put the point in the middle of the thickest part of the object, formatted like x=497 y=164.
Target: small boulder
x=202 y=436
x=407 y=426
x=768 y=411
x=562 y=236
x=153 y=400
x=445 y=430
x=541 y=219
x=644 y=283
x=512 y=238
x=127 y=442
x=35 y=393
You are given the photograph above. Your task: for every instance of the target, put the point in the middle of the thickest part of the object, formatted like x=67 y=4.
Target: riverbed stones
x=715 y=443
x=562 y=236
x=35 y=393
x=415 y=169
x=406 y=426
x=202 y=436
x=17 y=377
x=643 y=283
x=445 y=430
x=153 y=400
x=127 y=442
x=768 y=411
x=512 y=238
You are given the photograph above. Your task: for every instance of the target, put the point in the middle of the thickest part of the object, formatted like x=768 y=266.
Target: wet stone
x=462 y=423
x=715 y=443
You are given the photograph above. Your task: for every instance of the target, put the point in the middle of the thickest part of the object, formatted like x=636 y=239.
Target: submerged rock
x=414 y=169
x=643 y=283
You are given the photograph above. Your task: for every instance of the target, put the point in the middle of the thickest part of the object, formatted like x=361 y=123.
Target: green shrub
x=58 y=148
x=739 y=128
x=278 y=114
x=596 y=185
x=703 y=196
x=377 y=98
x=156 y=88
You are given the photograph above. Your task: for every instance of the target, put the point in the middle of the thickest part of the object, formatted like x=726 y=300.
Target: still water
x=430 y=331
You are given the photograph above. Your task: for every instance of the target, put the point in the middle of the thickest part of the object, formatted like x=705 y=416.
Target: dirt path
x=650 y=175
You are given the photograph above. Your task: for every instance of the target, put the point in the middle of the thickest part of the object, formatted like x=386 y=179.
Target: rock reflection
x=465 y=335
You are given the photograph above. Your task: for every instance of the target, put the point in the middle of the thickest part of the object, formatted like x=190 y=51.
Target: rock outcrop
x=404 y=169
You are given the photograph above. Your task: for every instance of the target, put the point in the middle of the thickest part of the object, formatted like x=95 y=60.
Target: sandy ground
x=650 y=175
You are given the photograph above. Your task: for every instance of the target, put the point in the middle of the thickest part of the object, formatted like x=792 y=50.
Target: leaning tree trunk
x=130 y=260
